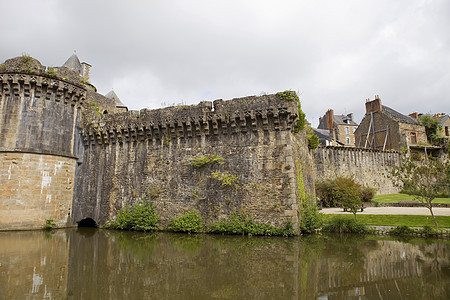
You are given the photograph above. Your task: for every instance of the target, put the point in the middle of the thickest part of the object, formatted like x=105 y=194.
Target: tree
x=348 y=194
x=313 y=139
x=424 y=180
x=432 y=127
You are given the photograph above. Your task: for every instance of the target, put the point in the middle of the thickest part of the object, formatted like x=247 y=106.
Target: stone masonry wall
x=34 y=188
x=145 y=155
x=368 y=167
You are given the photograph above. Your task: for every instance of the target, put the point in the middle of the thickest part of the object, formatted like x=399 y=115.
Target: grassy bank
x=398 y=220
x=394 y=198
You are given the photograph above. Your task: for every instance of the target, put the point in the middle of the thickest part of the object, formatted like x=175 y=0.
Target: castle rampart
x=368 y=167
x=146 y=155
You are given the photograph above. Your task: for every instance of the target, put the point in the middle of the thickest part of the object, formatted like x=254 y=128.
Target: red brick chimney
x=330 y=118
x=374 y=105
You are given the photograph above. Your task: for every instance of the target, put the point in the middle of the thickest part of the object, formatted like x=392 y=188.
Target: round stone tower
x=39 y=113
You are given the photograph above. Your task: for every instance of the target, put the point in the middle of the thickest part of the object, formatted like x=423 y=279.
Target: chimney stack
x=374 y=105
x=86 y=70
x=330 y=119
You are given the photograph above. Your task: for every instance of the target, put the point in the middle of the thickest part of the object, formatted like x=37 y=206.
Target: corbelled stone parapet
x=41 y=86
x=219 y=118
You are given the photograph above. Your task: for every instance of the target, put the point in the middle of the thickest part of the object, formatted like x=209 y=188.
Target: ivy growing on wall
x=289 y=95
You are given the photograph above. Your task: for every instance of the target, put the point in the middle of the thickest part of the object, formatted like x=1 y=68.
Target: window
x=347 y=130
x=446 y=131
x=413 y=137
x=347 y=141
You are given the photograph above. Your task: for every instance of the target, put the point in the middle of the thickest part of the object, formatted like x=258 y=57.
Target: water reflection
x=87 y=263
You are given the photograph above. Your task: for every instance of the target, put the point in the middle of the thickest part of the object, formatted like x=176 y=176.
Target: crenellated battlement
x=41 y=86
x=218 y=118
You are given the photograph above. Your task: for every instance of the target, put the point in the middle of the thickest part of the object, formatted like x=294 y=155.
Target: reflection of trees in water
x=143 y=265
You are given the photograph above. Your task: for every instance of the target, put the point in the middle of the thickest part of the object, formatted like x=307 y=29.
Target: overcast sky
x=334 y=53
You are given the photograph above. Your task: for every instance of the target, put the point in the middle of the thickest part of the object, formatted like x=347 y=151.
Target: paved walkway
x=438 y=211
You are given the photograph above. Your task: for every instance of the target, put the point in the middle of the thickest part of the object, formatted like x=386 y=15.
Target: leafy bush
x=206 y=160
x=140 y=217
x=344 y=224
x=401 y=230
x=189 y=222
x=332 y=191
x=325 y=192
x=311 y=219
x=243 y=224
x=367 y=193
x=428 y=231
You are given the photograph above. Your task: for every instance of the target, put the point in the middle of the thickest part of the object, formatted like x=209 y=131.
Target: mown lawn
x=394 y=198
x=398 y=220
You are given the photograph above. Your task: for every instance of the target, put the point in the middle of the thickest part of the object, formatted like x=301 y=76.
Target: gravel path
x=438 y=211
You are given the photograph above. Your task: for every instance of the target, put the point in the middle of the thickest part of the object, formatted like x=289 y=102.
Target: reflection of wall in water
x=33 y=265
x=384 y=268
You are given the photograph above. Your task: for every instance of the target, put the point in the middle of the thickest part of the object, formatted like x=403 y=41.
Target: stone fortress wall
x=368 y=167
x=145 y=156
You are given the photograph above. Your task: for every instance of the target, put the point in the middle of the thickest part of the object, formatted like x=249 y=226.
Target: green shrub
x=311 y=219
x=344 y=224
x=325 y=192
x=401 y=230
x=140 y=217
x=206 y=160
x=244 y=225
x=367 y=193
x=49 y=224
x=313 y=139
x=428 y=231
x=189 y=222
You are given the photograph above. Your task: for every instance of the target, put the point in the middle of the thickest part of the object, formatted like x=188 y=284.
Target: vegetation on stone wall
x=189 y=222
x=292 y=96
x=226 y=178
x=140 y=217
x=240 y=223
x=313 y=139
x=205 y=160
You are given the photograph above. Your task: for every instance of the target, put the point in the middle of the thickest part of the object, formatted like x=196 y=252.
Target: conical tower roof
x=112 y=95
x=74 y=64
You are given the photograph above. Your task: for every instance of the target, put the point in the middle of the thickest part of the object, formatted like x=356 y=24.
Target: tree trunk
x=434 y=218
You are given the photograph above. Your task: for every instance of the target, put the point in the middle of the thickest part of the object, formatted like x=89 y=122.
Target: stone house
x=383 y=128
x=445 y=125
x=341 y=127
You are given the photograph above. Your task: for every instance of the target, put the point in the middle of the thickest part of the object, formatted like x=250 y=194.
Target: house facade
x=383 y=128
x=340 y=127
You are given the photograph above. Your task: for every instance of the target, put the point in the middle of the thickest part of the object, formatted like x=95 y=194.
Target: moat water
x=100 y=264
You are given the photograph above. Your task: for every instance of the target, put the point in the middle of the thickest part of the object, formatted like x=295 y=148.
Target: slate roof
x=443 y=119
x=398 y=116
x=322 y=134
x=74 y=64
x=112 y=95
x=344 y=120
